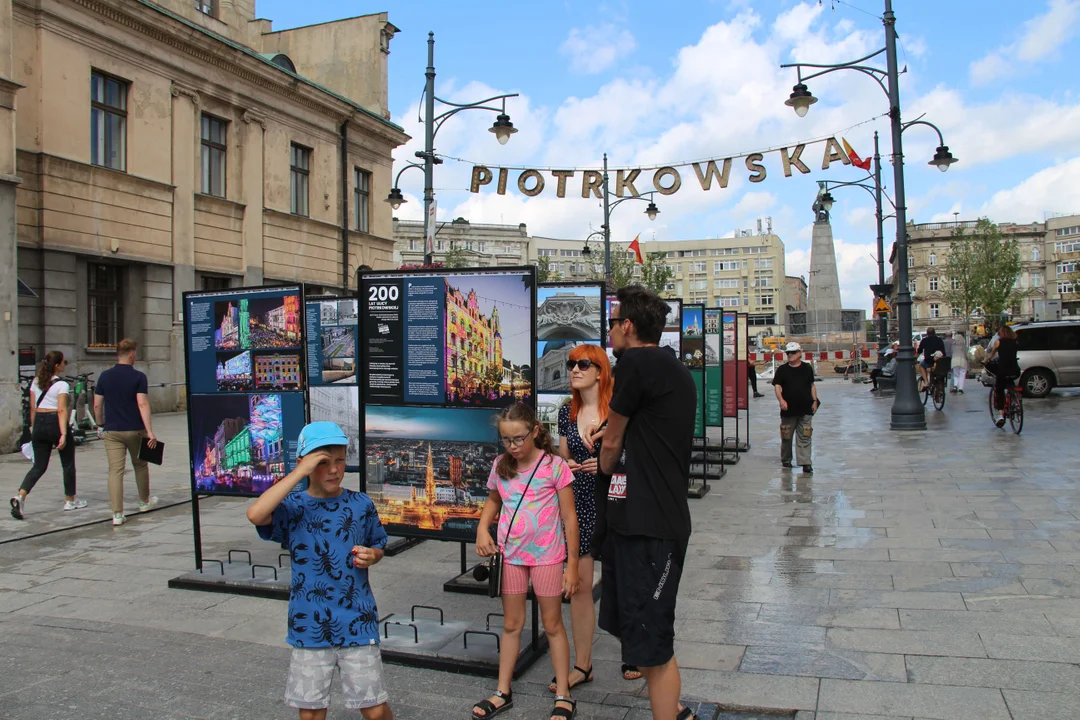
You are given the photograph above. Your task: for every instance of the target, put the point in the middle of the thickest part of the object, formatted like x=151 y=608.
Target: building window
x=935 y=310
x=1036 y=254
x=725 y=265
x=105 y=292
x=911 y=286
x=1036 y=279
x=1066 y=268
x=213 y=156
x=206 y=7
x=914 y=312
x=1065 y=287
x=933 y=258
x=955 y=283
x=765 y=300
x=763 y=263
x=1074 y=230
x=728 y=301
x=727 y=284
x=697 y=267
x=1069 y=246
x=361 y=198
x=108 y=121
x=299 y=168
x=933 y=284
x=911 y=260
x=545 y=253
x=216 y=282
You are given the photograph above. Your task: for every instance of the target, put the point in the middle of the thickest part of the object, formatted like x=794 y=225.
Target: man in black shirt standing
x=797 y=394
x=647 y=516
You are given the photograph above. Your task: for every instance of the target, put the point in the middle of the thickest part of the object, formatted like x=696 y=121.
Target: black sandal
x=588 y=679
x=489 y=708
x=686 y=714
x=561 y=712
x=631 y=668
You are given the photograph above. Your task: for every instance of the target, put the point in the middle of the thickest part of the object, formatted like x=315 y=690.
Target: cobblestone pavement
x=920 y=575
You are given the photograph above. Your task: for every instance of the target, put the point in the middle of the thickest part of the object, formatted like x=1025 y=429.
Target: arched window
x=1036 y=254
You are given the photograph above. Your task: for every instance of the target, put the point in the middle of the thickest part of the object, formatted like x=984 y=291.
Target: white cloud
x=1040 y=37
x=595 y=48
x=1049 y=190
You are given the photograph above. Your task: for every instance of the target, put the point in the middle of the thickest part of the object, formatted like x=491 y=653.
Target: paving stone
x=1012 y=674
x=907 y=642
x=832 y=616
x=1026 y=647
x=828 y=662
x=923 y=701
x=1042 y=705
x=1004 y=622
x=899 y=599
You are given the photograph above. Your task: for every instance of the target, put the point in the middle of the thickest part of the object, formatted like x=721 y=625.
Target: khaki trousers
x=119 y=445
x=800 y=429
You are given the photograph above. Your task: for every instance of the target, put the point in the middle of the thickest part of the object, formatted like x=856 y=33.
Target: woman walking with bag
x=50 y=400
x=959 y=361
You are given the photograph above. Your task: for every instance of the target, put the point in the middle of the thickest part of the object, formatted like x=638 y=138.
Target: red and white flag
x=637 y=249
x=854 y=156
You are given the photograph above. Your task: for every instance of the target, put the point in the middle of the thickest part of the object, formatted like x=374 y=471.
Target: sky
x=659 y=84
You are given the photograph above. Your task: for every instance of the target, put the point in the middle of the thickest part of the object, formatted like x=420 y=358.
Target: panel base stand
x=239 y=578
x=731 y=444
x=698 y=491
x=396 y=546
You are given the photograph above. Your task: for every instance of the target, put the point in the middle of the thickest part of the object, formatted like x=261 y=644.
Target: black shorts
x=637 y=596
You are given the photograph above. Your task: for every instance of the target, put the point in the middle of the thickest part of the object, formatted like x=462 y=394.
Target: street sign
x=881 y=307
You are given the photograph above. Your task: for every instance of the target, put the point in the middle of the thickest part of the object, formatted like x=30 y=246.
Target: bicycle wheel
x=993 y=412
x=939 y=395
x=1016 y=412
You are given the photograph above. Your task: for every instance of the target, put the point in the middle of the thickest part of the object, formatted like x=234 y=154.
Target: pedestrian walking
x=647 y=517
x=121 y=393
x=530 y=489
x=50 y=403
x=959 y=362
x=751 y=375
x=334 y=536
x=797 y=395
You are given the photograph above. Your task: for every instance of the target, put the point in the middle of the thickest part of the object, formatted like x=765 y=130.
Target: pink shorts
x=547 y=580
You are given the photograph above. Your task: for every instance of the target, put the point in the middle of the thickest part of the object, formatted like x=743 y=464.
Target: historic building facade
x=476 y=244
x=171 y=146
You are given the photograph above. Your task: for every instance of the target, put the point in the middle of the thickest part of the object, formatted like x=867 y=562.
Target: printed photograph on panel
x=568 y=313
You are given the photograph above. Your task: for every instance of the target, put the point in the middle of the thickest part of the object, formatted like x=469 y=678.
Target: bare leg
x=551 y=615
x=665 y=686
x=583 y=621
x=379 y=712
x=319 y=714
x=513 y=622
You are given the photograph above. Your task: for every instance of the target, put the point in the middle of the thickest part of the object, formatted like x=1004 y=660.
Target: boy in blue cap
x=334 y=535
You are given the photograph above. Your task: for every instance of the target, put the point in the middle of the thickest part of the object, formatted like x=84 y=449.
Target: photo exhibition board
x=246 y=377
x=442 y=352
x=671 y=336
x=567 y=315
x=332 y=335
x=714 y=369
x=728 y=330
x=743 y=359
x=693 y=356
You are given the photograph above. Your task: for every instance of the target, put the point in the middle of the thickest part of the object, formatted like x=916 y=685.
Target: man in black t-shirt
x=797 y=394
x=648 y=519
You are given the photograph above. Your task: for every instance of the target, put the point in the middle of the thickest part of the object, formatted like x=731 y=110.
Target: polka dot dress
x=584 y=483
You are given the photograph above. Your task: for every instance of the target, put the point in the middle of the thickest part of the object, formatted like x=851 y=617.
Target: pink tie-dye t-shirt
x=537 y=535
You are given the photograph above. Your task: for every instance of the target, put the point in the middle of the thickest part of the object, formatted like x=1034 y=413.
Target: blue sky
x=655 y=84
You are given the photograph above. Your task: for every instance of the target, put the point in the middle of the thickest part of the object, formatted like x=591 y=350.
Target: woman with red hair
x=591 y=385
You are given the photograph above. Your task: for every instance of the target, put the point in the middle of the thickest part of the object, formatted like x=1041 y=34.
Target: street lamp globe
x=800 y=100
x=652 y=211
x=943 y=158
x=586 y=251
x=395 y=198
x=503 y=128
x=827 y=201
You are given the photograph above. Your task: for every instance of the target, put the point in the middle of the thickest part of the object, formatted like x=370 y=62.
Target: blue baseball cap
x=319 y=434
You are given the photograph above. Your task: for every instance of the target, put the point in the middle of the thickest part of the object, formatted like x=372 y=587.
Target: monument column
x=823 y=293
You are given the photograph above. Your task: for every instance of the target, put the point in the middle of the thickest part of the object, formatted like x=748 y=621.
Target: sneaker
x=118 y=519
x=18 y=504
x=149 y=504
x=1001 y=422
x=758 y=395
x=75 y=504
x=960 y=391
x=808 y=469
x=787 y=464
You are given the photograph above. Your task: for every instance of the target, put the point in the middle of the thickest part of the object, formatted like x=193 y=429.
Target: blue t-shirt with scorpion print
x=330 y=601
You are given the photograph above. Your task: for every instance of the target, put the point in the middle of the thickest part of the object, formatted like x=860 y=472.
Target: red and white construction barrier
x=819 y=356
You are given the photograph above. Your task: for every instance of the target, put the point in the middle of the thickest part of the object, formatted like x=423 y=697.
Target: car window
x=1033 y=338
x=1065 y=338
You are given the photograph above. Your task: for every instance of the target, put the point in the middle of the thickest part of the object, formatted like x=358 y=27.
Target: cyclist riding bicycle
x=929 y=345
x=1002 y=353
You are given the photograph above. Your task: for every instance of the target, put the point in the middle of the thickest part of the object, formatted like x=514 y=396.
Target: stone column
x=253 y=135
x=10 y=394
x=823 y=294
x=185 y=173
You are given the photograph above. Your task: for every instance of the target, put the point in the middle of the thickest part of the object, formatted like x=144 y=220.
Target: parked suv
x=1049 y=355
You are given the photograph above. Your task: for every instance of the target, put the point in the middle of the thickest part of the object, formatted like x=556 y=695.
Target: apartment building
x=171 y=146
x=1049 y=254
x=478 y=244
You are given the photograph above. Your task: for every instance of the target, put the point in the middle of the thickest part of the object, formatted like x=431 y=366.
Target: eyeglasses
x=612 y=322
x=584 y=364
x=516 y=441
x=793 y=352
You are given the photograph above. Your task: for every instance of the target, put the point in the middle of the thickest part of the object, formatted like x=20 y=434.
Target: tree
x=982 y=270
x=961 y=281
x=545 y=272
x=456 y=257
x=655 y=273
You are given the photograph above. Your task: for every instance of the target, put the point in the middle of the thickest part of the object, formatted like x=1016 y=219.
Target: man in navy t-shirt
x=121 y=393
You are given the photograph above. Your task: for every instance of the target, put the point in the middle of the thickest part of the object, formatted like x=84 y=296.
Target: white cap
x=792 y=347
x=890 y=351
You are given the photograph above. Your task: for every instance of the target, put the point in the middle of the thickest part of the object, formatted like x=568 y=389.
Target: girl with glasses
x=530 y=489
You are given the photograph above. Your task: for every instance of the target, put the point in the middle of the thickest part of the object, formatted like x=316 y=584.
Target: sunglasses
x=612 y=322
x=584 y=364
x=793 y=352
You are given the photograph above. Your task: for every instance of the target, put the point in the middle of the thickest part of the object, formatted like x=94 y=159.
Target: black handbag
x=492 y=569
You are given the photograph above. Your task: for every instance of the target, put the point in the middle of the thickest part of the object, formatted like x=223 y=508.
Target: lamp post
x=907 y=411
x=651 y=211
x=502 y=129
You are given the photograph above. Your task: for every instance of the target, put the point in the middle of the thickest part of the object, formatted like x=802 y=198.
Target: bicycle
x=1014 y=406
x=81 y=422
x=936 y=387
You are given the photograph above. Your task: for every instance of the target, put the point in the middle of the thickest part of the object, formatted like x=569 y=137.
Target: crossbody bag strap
x=44 y=393
x=522 y=498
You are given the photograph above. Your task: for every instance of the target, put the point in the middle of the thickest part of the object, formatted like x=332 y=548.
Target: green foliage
x=545 y=272
x=456 y=257
x=656 y=273
x=986 y=266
